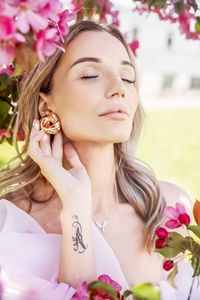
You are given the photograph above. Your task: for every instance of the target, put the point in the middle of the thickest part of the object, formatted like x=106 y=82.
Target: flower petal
x=171 y=213
x=180 y=208
x=171 y=224
x=36 y=21
x=6 y=53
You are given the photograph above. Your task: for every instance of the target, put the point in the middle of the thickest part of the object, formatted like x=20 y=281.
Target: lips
x=114 y=111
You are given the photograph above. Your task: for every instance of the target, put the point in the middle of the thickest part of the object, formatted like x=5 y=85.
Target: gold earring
x=50 y=124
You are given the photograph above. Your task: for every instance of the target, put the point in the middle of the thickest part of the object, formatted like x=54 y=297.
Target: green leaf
x=146 y=291
x=158 y=3
x=197 y=27
x=17 y=71
x=4 y=81
x=195 y=262
x=172 y=275
x=179 y=6
x=168 y=251
x=107 y=288
x=174 y=241
x=4 y=109
x=174 y=245
x=189 y=244
x=127 y=293
x=195 y=228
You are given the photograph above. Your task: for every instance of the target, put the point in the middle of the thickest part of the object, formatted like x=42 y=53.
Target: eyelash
x=88 y=77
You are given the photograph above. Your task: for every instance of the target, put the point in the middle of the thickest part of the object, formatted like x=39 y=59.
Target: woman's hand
x=70 y=185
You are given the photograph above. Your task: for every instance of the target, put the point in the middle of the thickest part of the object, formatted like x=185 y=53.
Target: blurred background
x=169 y=76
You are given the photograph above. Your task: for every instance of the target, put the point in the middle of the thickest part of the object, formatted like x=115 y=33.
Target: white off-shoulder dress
x=29 y=260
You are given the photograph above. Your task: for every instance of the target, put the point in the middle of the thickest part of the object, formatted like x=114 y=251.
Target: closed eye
x=129 y=81
x=88 y=77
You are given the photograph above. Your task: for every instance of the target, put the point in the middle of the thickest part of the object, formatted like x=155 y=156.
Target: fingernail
x=35 y=124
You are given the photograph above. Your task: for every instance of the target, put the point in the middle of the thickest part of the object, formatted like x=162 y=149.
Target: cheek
x=133 y=101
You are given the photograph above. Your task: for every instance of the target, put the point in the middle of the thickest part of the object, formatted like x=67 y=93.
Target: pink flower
x=46 y=43
x=168 y=265
x=134 y=45
x=162 y=233
x=28 y=15
x=6 y=134
x=106 y=279
x=81 y=291
x=8 y=70
x=62 y=26
x=51 y=9
x=177 y=216
x=160 y=243
x=8 y=38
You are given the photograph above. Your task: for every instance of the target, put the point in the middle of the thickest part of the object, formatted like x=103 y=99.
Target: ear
x=44 y=106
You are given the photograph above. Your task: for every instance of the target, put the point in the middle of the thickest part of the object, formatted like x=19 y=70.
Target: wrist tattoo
x=78 y=239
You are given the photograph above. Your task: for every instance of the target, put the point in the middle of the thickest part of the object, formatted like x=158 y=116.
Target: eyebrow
x=98 y=60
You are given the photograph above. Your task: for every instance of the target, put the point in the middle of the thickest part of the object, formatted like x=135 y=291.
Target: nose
x=115 y=88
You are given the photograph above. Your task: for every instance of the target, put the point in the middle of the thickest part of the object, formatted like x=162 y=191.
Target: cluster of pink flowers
x=184 y=17
x=43 y=19
x=83 y=293
x=177 y=217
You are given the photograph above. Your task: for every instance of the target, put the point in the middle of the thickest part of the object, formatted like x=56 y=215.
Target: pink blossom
x=141 y=8
x=106 y=279
x=160 y=243
x=81 y=291
x=78 y=5
x=5 y=133
x=8 y=38
x=28 y=15
x=7 y=52
x=62 y=26
x=134 y=45
x=8 y=70
x=46 y=42
x=177 y=216
x=51 y=9
x=162 y=233
x=168 y=265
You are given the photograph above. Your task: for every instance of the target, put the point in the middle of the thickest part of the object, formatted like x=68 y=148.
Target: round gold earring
x=50 y=124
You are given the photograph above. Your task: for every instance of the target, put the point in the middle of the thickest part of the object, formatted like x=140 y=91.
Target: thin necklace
x=102 y=225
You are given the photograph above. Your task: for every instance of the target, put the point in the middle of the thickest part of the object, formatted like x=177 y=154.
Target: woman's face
x=79 y=102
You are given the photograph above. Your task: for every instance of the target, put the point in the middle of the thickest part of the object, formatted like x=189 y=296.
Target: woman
x=83 y=183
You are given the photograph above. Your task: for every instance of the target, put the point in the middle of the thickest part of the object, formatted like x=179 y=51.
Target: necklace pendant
x=102 y=225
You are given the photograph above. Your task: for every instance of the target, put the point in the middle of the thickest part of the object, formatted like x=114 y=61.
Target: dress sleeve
x=29 y=259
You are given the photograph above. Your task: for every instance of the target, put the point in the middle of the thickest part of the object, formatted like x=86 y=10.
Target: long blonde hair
x=136 y=183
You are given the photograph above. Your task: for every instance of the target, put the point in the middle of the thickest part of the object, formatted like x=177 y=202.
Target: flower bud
x=160 y=243
x=184 y=219
x=168 y=265
x=162 y=233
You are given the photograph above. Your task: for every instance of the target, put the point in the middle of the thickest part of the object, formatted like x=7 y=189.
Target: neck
x=99 y=163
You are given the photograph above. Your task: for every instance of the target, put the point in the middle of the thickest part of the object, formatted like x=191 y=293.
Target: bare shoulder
x=174 y=193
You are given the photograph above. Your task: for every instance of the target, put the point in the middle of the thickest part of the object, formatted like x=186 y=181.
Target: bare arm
x=73 y=186
x=77 y=255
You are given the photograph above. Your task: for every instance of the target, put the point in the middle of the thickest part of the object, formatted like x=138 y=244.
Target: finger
x=35 y=137
x=72 y=156
x=57 y=147
x=35 y=128
x=45 y=145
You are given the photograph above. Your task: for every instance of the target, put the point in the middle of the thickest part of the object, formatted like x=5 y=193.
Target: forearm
x=77 y=254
